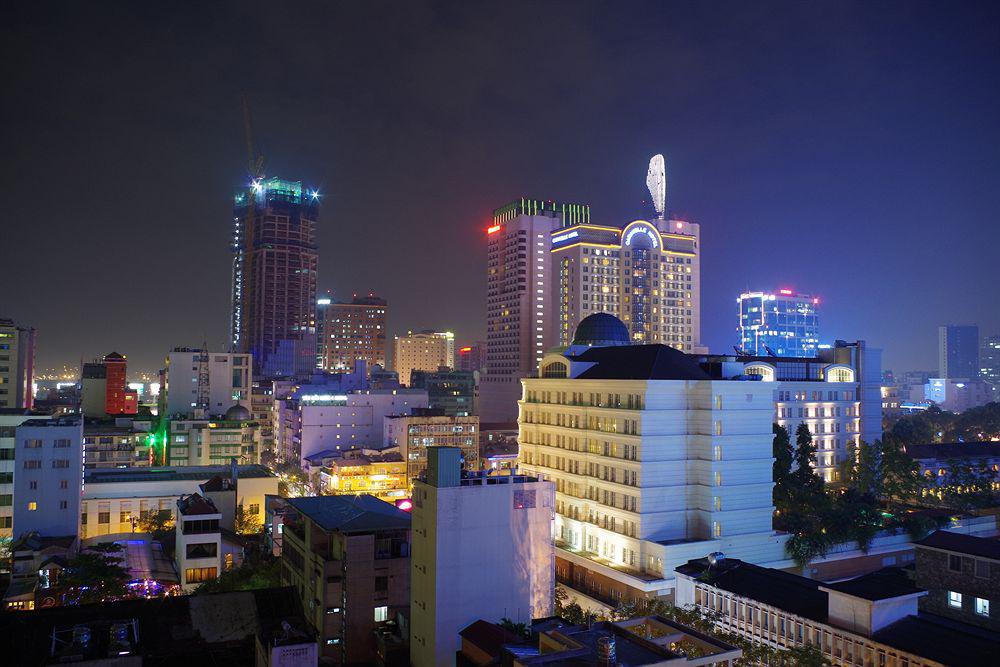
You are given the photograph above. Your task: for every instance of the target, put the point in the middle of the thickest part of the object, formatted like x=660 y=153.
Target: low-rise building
x=198 y=546
x=10 y=419
x=115 y=500
x=962 y=576
x=348 y=557
x=308 y=422
x=413 y=434
x=381 y=475
x=638 y=642
x=202 y=442
x=111 y=445
x=482 y=546
x=452 y=392
x=869 y=620
x=936 y=459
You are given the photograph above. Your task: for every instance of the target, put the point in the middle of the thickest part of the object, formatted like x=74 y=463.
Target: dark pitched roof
x=349 y=514
x=966 y=544
x=890 y=582
x=790 y=592
x=173 y=474
x=942 y=640
x=196 y=504
x=639 y=362
x=954 y=450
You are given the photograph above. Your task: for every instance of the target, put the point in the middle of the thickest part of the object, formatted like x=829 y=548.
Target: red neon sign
x=493 y=230
x=464 y=350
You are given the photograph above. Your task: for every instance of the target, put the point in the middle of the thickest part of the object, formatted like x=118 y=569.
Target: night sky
x=847 y=150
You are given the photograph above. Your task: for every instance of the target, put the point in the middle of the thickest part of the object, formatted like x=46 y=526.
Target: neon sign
x=643 y=229
x=493 y=230
x=565 y=237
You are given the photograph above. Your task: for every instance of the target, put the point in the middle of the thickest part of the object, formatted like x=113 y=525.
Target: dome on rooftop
x=601 y=330
x=237 y=413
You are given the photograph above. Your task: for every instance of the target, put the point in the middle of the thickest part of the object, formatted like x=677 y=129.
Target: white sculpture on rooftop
x=656 y=181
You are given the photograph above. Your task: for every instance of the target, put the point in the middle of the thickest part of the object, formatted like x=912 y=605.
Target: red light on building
x=816 y=300
x=465 y=350
x=785 y=291
x=493 y=230
x=405 y=504
x=118 y=399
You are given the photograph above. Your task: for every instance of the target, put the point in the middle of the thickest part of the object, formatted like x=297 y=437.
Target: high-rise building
x=989 y=359
x=49 y=476
x=482 y=547
x=958 y=351
x=647 y=274
x=347 y=332
x=274 y=277
x=653 y=459
x=778 y=324
x=424 y=351
x=199 y=383
x=104 y=388
x=17 y=365
x=519 y=319
x=471 y=357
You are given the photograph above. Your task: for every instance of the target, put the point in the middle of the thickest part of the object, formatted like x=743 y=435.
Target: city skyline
x=771 y=143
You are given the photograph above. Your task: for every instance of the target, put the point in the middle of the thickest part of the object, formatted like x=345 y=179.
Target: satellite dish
x=656 y=181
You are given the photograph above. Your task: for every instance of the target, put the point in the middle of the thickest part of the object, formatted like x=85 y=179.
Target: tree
x=901 y=478
x=781 y=449
x=518 y=629
x=158 y=523
x=246 y=523
x=95 y=574
x=804 y=457
x=867 y=469
x=250 y=575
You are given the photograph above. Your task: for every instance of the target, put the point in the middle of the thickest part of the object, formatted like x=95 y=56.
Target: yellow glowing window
x=32 y=506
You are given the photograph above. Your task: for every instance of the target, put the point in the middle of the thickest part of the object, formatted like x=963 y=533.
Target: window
x=954 y=599
x=194 y=575
x=6 y=500
x=32 y=443
x=381 y=614
x=202 y=550
x=254 y=509
x=61 y=442
x=982 y=607
x=983 y=568
x=32 y=464
x=381 y=584
x=63 y=504
x=954 y=563
x=32 y=506
x=333 y=641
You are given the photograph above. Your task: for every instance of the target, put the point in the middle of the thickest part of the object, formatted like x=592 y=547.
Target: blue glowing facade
x=778 y=324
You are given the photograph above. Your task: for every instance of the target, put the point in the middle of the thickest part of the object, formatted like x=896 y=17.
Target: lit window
x=32 y=506
x=982 y=607
x=381 y=614
x=954 y=599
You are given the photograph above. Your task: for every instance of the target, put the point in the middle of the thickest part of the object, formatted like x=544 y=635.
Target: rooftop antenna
x=656 y=182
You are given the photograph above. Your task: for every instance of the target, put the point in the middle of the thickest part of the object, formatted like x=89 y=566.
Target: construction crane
x=244 y=235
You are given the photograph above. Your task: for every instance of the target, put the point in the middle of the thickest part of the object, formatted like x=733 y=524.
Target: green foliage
x=901 y=478
x=155 y=522
x=781 y=448
x=95 y=575
x=264 y=572
x=245 y=523
x=804 y=477
x=519 y=629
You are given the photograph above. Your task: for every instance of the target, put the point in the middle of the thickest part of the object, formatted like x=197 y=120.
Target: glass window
x=982 y=607
x=381 y=614
x=954 y=599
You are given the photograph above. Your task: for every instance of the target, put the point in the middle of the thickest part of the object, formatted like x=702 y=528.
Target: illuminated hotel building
x=347 y=332
x=520 y=324
x=274 y=277
x=647 y=274
x=780 y=324
x=424 y=351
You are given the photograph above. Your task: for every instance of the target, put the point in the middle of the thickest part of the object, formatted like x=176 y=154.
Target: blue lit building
x=781 y=324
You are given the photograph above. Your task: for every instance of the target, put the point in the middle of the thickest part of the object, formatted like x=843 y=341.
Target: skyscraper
x=780 y=324
x=351 y=331
x=274 y=276
x=958 y=351
x=17 y=365
x=520 y=324
x=989 y=359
